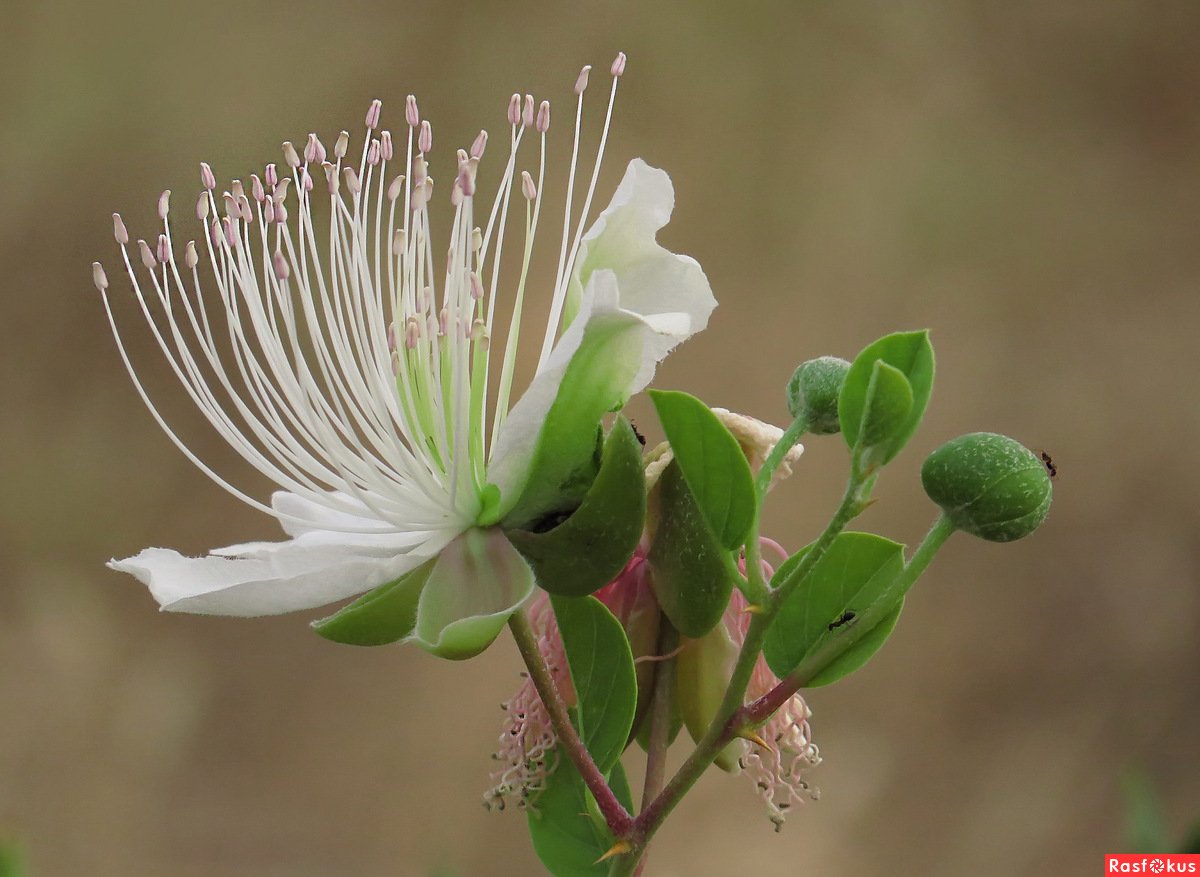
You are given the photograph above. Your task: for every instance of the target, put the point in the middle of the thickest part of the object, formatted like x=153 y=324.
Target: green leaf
x=855 y=571
x=1191 y=841
x=889 y=400
x=11 y=861
x=588 y=549
x=602 y=673
x=619 y=783
x=567 y=830
x=563 y=462
x=1145 y=830
x=713 y=463
x=381 y=616
x=691 y=571
x=476 y=583
x=857 y=655
x=911 y=354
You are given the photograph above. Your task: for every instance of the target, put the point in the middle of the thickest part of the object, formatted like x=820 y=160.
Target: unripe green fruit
x=813 y=393
x=988 y=485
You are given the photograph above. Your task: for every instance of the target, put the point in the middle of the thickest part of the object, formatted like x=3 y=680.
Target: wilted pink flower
x=777 y=772
x=527 y=750
x=527 y=741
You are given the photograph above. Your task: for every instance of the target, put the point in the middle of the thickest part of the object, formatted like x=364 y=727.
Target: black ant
x=845 y=618
x=641 y=438
x=1049 y=464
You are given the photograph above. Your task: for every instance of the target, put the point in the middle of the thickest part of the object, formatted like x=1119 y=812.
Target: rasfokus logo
x=1151 y=863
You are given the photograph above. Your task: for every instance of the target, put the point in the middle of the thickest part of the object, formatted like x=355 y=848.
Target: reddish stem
x=619 y=821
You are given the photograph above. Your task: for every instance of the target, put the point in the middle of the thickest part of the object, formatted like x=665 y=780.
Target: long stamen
x=556 y=306
x=341 y=372
x=566 y=262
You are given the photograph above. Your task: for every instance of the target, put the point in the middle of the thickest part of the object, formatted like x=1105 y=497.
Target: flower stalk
x=618 y=819
x=733 y=718
x=660 y=713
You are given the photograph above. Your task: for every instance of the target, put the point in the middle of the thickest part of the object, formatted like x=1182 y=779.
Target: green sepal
x=853 y=574
x=564 y=461
x=713 y=463
x=588 y=549
x=912 y=355
x=602 y=673
x=569 y=835
x=692 y=573
x=477 y=582
x=381 y=616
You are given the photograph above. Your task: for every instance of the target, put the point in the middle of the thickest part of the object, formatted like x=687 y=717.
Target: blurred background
x=1023 y=178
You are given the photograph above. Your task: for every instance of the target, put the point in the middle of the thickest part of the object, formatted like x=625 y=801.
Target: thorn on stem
x=620 y=848
x=754 y=738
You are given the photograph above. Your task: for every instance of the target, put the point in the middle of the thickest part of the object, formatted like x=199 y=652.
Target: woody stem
x=732 y=718
x=615 y=815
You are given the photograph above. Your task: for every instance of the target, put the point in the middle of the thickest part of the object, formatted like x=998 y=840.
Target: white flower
x=346 y=366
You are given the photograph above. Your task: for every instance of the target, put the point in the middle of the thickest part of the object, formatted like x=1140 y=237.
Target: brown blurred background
x=1022 y=177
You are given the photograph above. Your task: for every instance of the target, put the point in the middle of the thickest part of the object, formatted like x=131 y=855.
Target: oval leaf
x=859 y=652
x=911 y=354
x=378 y=617
x=567 y=832
x=602 y=673
x=713 y=463
x=587 y=550
x=690 y=570
x=843 y=585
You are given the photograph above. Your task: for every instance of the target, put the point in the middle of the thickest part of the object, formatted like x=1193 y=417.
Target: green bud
x=702 y=673
x=813 y=393
x=988 y=485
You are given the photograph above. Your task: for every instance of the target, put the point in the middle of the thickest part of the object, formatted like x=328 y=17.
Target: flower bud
x=988 y=485
x=813 y=393
x=702 y=673
x=630 y=598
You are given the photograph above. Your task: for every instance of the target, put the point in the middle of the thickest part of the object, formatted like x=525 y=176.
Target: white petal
x=601 y=323
x=322 y=517
x=333 y=527
x=669 y=289
x=287 y=577
x=622 y=277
